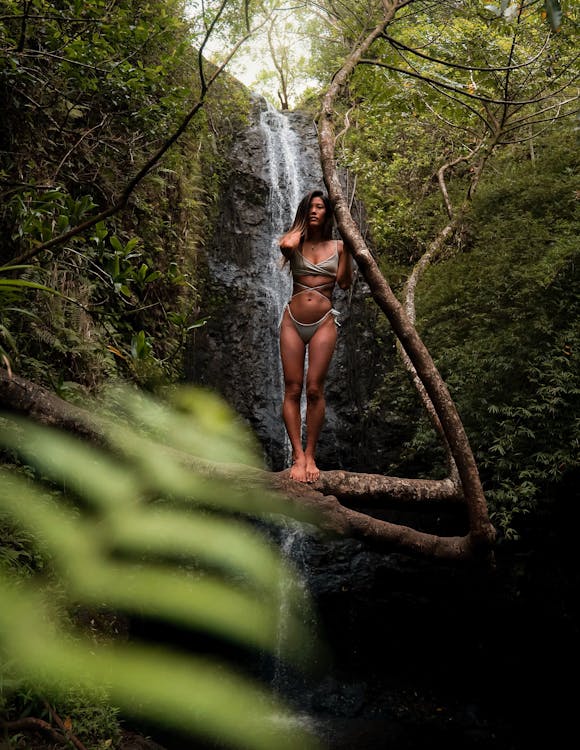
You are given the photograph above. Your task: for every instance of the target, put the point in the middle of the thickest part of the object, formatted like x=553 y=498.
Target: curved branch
x=409 y=298
x=555 y=92
x=437 y=88
x=409 y=302
x=532 y=136
x=121 y=202
x=320 y=500
x=489 y=100
x=514 y=124
x=504 y=115
x=32 y=724
x=443 y=185
x=481 y=530
x=399 y=45
x=338 y=520
x=77 y=144
x=60 y=58
x=453 y=125
x=72 y=738
x=208 y=33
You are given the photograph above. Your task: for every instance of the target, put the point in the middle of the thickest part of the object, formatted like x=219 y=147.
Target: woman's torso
x=316 y=270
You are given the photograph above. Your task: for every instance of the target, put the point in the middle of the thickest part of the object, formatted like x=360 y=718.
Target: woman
x=317 y=262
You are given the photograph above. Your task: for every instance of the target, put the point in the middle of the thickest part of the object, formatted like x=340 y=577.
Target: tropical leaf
x=150 y=524
x=14 y=284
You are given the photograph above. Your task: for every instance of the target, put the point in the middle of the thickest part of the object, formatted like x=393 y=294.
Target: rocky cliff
x=274 y=161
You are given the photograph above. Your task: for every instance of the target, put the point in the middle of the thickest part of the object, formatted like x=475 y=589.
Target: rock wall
x=274 y=161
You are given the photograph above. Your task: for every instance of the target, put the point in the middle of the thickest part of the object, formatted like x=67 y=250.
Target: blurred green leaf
x=148 y=525
x=196 y=694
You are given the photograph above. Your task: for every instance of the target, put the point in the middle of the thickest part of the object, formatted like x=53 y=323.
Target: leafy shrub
x=501 y=322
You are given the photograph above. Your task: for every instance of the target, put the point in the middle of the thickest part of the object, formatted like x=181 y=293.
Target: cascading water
x=284 y=163
x=238 y=351
x=294 y=169
x=274 y=162
x=289 y=180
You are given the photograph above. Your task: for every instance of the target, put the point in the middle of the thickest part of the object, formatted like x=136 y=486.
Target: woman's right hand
x=290 y=242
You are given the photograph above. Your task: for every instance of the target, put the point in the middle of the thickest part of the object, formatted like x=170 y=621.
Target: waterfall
x=274 y=162
x=293 y=171
x=281 y=146
x=291 y=548
x=289 y=181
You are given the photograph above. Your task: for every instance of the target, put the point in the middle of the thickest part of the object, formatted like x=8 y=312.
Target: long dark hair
x=301 y=218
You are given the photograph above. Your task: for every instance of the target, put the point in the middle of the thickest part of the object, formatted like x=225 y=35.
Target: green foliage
x=12 y=294
x=501 y=321
x=39 y=216
x=497 y=311
x=18 y=555
x=410 y=114
x=85 y=712
x=396 y=153
x=334 y=28
x=151 y=524
x=88 y=92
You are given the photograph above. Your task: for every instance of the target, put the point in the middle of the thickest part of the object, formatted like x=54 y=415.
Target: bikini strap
x=305 y=287
x=315 y=289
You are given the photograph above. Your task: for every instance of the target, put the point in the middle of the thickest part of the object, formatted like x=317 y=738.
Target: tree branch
x=447 y=63
x=32 y=724
x=77 y=144
x=121 y=202
x=481 y=530
x=321 y=499
x=427 y=79
x=513 y=124
x=72 y=738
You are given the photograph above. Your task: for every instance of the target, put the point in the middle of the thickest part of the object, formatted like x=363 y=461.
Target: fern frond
x=151 y=524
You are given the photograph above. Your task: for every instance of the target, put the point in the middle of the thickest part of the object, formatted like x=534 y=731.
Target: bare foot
x=312 y=470
x=298 y=469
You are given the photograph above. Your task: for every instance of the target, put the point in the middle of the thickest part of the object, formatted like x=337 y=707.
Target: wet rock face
x=274 y=162
x=236 y=352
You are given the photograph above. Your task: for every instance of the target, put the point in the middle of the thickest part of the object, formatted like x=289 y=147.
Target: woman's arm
x=344 y=273
x=290 y=242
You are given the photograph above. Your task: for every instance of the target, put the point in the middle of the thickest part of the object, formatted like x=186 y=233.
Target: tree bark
x=482 y=533
x=371 y=491
x=21 y=396
x=32 y=724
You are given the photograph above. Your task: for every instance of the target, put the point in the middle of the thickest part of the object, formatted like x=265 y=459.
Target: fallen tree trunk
x=374 y=490
x=371 y=491
x=21 y=396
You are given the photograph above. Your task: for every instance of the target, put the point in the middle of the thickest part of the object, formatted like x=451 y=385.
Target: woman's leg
x=320 y=351
x=292 y=351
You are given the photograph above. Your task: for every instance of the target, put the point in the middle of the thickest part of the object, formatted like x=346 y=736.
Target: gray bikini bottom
x=307 y=330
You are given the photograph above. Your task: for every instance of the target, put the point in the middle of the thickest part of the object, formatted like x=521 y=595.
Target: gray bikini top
x=301 y=266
